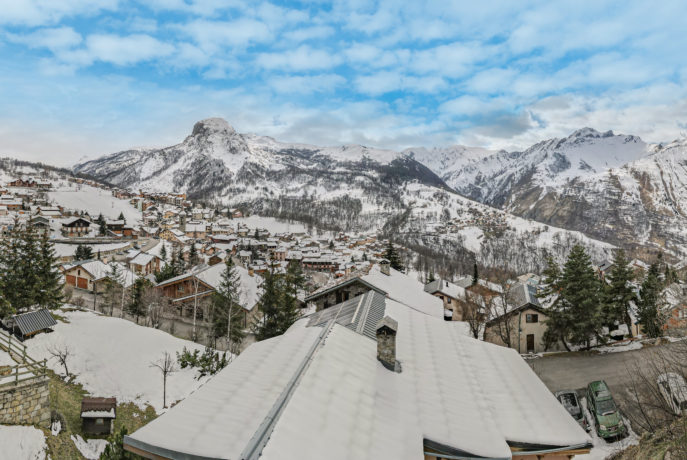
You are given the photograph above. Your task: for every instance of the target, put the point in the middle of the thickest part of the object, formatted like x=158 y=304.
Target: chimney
x=384 y=267
x=386 y=343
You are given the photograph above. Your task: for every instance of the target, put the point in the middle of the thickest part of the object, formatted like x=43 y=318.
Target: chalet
x=374 y=378
x=75 y=227
x=184 y=289
x=235 y=213
x=144 y=263
x=523 y=320
x=174 y=235
x=115 y=226
x=98 y=415
x=25 y=183
x=12 y=204
x=452 y=295
x=90 y=275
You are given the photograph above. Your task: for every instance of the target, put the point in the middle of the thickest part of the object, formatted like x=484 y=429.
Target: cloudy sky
x=81 y=78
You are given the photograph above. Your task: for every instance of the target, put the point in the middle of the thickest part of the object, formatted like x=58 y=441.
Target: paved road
x=575 y=370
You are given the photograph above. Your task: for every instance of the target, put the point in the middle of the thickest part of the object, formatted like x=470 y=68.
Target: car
x=673 y=388
x=569 y=400
x=607 y=418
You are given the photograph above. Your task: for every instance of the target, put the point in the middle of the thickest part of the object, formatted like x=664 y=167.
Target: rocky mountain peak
x=213 y=126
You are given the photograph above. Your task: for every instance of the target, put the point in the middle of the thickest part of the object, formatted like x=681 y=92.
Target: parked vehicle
x=673 y=388
x=569 y=400
x=609 y=423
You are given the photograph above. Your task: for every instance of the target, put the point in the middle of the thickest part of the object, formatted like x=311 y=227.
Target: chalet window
x=180 y=288
x=99 y=421
x=532 y=318
x=449 y=300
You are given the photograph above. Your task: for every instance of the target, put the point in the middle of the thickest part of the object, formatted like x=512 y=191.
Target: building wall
x=519 y=338
x=451 y=304
x=26 y=403
x=331 y=298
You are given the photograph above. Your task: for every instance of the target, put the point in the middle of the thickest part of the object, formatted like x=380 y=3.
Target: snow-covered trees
x=83 y=252
x=619 y=294
x=391 y=254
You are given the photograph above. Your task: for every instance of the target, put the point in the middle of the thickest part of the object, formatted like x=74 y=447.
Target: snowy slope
x=22 y=442
x=94 y=201
x=113 y=356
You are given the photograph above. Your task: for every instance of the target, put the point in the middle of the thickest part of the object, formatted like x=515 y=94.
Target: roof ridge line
x=258 y=441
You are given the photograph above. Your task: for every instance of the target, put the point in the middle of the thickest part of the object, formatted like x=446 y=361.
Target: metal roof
x=360 y=314
x=34 y=321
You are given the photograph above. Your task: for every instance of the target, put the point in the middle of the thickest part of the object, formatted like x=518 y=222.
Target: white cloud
x=126 y=50
x=302 y=58
x=215 y=35
x=40 y=12
x=307 y=84
x=51 y=38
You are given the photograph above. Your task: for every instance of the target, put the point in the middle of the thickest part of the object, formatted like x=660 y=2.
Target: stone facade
x=26 y=403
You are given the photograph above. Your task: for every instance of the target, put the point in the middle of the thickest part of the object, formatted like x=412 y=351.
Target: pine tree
x=580 y=297
x=227 y=313
x=102 y=225
x=619 y=294
x=430 y=277
x=83 y=253
x=121 y=217
x=163 y=252
x=475 y=274
x=113 y=287
x=193 y=258
x=392 y=256
x=558 y=323
x=649 y=307
x=136 y=307
x=115 y=447
x=279 y=310
x=49 y=294
x=294 y=279
x=29 y=257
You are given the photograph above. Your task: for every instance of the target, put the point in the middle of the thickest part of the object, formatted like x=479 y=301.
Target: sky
x=83 y=78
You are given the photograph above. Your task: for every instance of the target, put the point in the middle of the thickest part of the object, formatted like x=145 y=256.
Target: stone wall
x=26 y=403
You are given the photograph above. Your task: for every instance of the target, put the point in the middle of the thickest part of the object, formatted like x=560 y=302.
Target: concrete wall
x=26 y=403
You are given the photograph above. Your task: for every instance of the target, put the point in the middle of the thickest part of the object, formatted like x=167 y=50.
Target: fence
x=27 y=369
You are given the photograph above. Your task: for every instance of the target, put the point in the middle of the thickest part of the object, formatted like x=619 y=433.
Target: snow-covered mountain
x=611 y=187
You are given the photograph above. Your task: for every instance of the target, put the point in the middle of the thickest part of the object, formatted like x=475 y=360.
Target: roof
x=326 y=379
x=446 y=288
x=98 y=404
x=34 y=321
x=360 y=314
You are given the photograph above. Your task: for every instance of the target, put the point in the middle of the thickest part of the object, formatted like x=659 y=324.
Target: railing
x=28 y=368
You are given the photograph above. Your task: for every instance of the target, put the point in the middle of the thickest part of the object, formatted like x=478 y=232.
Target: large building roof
x=318 y=391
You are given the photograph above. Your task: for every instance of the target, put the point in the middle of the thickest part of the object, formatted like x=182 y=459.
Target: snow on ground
x=113 y=356
x=602 y=448
x=22 y=442
x=90 y=449
x=271 y=224
x=94 y=201
x=627 y=346
x=64 y=250
x=472 y=236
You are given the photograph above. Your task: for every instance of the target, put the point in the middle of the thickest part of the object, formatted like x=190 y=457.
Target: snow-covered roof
x=320 y=392
x=142 y=259
x=445 y=287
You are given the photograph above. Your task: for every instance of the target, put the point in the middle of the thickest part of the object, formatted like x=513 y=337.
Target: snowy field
x=22 y=443
x=113 y=356
x=271 y=224
x=94 y=201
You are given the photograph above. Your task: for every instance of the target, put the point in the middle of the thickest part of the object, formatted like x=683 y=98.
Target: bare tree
x=474 y=313
x=62 y=354
x=167 y=366
x=155 y=301
x=499 y=306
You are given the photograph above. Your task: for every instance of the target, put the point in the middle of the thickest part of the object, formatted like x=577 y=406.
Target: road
x=575 y=370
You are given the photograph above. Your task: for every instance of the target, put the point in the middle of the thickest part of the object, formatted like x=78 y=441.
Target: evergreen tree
x=619 y=293
x=580 y=296
x=193 y=258
x=29 y=258
x=10 y=275
x=83 y=253
x=102 y=225
x=278 y=309
x=475 y=274
x=113 y=288
x=392 y=256
x=121 y=217
x=136 y=307
x=49 y=294
x=430 y=277
x=558 y=322
x=649 y=307
x=163 y=252
x=227 y=313
x=294 y=279
x=115 y=448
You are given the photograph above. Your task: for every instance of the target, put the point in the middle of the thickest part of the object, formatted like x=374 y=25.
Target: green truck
x=609 y=423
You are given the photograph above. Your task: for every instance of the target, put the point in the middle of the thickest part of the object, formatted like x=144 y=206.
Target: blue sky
x=82 y=78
